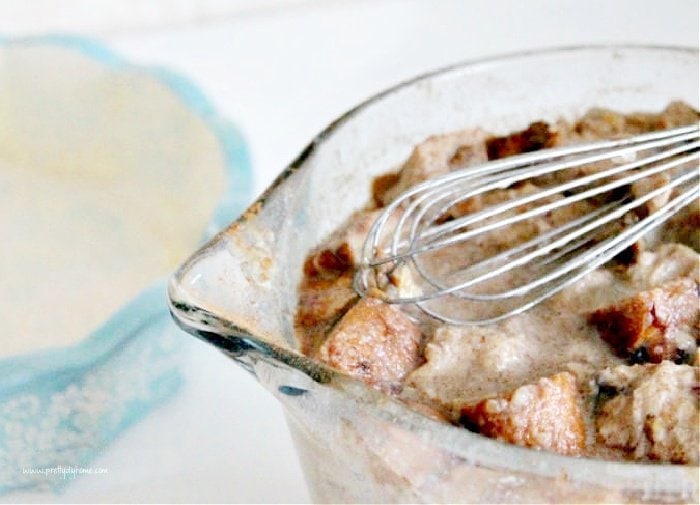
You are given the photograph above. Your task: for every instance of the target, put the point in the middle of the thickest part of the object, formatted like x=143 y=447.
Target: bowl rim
x=149 y=304
x=508 y=457
x=475 y=63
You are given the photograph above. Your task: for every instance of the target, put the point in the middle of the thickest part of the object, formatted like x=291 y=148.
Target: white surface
x=22 y=17
x=282 y=75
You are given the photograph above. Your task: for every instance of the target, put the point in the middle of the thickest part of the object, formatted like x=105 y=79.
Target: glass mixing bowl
x=239 y=292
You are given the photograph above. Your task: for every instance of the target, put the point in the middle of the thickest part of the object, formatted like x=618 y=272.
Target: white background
x=282 y=70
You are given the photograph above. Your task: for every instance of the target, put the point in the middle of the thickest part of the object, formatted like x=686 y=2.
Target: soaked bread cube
x=653 y=325
x=545 y=415
x=375 y=342
x=537 y=135
x=323 y=300
x=436 y=156
x=343 y=249
x=600 y=123
x=650 y=411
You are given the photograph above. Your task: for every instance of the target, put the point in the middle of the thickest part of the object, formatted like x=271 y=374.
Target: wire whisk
x=440 y=248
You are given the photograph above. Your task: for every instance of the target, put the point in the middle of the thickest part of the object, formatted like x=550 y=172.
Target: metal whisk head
x=478 y=245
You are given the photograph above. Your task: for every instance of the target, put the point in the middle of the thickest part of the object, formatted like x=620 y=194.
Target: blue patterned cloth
x=59 y=408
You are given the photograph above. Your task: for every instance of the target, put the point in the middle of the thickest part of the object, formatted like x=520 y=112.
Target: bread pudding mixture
x=607 y=368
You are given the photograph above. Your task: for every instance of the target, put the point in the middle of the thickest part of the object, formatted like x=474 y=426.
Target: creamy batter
x=549 y=378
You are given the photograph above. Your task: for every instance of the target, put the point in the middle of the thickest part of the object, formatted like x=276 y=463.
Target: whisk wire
x=649 y=140
x=558 y=256
x=613 y=251
x=465 y=221
x=537 y=211
x=584 y=258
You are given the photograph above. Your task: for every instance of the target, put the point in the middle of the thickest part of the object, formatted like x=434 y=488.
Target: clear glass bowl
x=239 y=292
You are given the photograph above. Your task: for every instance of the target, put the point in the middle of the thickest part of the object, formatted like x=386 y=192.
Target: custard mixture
x=607 y=368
